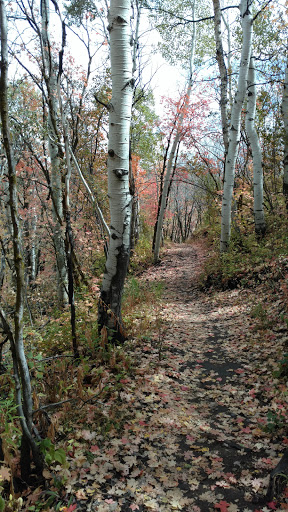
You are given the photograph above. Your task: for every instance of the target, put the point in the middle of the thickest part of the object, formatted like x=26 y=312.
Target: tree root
x=278 y=478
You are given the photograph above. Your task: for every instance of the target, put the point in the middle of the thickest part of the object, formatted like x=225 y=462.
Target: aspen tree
x=223 y=74
x=234 y=132
x=256 y=151
x=109 y=311
x=55 y=152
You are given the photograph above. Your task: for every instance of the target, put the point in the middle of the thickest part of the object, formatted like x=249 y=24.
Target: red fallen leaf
x=240 y=370
x=94 y=448
x=109 y=501
x=222 y=505
x=133 y=506
x=124 y=381
x=267 y=461
x=246 y=430
x=124 y=440
x=70 y=508
x=184 y=388
x=272 y=505
x=141 y=422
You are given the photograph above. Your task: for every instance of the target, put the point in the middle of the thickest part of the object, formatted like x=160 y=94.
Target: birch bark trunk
x=160 y=218
x=256 y=151
x=285 y=122
x=109 y=311
x=234 y=132
x=56 y=154
x=223 y=74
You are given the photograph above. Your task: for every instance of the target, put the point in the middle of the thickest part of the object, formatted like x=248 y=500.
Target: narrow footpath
x=196 y=436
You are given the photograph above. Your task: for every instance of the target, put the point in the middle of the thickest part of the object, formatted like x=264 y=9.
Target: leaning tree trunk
x=285 y=122
x=23 y=389
x=176 y=141
x=223 y=74
x=56 y=154
x=109 y=311
x=234 y=132
x=253 y=139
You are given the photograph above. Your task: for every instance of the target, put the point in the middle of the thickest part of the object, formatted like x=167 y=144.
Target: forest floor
x=202 y=413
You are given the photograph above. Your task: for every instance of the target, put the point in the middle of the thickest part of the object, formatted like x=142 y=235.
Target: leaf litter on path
x=194 y=437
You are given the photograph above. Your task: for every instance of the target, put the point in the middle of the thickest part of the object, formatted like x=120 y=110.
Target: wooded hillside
x=144 y=256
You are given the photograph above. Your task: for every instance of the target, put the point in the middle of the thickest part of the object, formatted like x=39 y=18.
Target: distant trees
x=23 y=389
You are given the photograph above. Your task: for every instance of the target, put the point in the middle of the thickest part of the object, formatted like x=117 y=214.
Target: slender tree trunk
x=21 y=371
x=175 y=143
x=134 y=232
x=109 y=312
x=285 y=122
x=56 y=155
x=256 y=151
x=159 y=192
x=234 y=132
x=229 y=66
x=223 y=74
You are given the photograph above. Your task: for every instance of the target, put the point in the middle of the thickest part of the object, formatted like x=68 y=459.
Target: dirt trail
x=195 y=438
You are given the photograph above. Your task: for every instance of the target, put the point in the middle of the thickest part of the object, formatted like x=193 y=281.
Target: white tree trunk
x=229 y=65
x=56 y=155
x=234 y=132
x=109 y=313
x=175 y=143
x=285 y=122
x=223 y=74
x=256 y=151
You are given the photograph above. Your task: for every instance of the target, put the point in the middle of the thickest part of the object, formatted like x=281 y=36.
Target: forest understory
x=198 y=420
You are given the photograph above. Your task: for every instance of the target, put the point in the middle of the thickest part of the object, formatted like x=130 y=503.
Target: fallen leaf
x=222 y=505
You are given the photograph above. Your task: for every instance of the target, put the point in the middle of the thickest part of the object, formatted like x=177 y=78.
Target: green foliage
x=172 y=18
x=142 y=255
x=138 y=292
x=258 y=312
x=99 y=264
x=282 y=372
x=275 y=421
x=9 y=430
x=145 y=137
x=51 y=454
x=78 y=11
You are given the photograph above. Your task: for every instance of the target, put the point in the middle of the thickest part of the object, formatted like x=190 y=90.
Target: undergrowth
x=67 y=392
x=250 y=260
